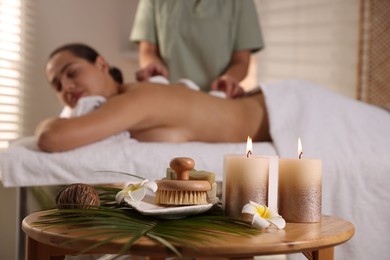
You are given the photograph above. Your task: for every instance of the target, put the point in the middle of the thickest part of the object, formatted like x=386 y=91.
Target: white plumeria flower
x=263 y=216
x=135 y=192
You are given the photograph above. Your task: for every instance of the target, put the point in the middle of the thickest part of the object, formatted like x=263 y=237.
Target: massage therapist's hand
x=229 y=85
x=153 y=69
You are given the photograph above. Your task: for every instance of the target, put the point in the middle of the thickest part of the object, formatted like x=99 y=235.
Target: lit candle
x=245 y=179
x=300 y=188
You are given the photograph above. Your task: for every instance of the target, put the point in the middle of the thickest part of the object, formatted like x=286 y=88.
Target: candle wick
x=249 y=153
x=300 y=155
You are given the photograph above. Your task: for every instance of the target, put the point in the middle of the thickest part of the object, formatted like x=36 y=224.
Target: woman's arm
x=239 y=64
x=142 y=107
x=237 y=71
x=116 y=115
x=150 y=62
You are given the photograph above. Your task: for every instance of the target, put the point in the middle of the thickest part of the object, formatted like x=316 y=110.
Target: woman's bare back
x=178 y=114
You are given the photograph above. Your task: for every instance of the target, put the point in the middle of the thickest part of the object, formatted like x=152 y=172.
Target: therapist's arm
x=150 y=62
x=236 y=72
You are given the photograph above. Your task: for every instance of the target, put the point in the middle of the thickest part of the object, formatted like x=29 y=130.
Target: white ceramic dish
x=148 y=207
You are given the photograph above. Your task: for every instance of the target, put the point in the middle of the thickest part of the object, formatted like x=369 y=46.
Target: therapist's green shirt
x=197 y=38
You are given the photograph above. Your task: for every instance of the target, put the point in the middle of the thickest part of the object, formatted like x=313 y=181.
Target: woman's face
x=73 y=77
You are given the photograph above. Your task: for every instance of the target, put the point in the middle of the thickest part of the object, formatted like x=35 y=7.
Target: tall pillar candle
x=300 y=189
x=245 y=179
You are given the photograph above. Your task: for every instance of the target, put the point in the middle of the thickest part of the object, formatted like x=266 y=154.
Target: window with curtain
x=315 y=40
x=11 y=70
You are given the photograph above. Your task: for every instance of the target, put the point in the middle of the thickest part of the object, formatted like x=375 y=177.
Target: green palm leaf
x=116 y=222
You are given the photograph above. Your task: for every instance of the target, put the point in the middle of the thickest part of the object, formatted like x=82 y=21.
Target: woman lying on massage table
x=149 y=111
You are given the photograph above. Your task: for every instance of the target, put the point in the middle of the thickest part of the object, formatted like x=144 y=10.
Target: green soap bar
x=194 y=175
x=203 y=175
x=171 y=174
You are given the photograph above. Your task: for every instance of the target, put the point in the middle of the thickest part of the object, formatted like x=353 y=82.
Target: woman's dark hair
x=88 y=53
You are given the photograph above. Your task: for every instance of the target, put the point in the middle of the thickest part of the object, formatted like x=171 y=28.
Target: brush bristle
x=174 y=197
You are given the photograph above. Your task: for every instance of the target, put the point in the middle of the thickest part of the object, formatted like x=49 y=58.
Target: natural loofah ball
x=77 y=196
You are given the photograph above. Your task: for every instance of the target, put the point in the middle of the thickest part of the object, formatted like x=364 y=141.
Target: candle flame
x=249 y=147
x=300 y=152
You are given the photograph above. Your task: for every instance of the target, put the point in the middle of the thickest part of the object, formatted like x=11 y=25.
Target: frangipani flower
x=135 y=192
x=263 y=216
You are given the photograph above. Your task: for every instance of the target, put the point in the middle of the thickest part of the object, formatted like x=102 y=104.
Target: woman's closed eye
x=72 y=73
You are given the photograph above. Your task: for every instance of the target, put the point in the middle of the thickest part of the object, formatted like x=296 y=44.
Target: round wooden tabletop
x=296 y=237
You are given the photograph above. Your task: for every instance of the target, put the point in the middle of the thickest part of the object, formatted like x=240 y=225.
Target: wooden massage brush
x=182 y=191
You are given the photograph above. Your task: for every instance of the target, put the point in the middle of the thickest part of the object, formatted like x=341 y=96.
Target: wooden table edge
x=146 y=246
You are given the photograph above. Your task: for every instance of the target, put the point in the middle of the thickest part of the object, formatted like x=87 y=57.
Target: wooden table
x=314 y=240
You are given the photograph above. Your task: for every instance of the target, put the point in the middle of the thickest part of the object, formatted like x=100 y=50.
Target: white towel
x=84 y=106
x=353 y=141
x=23 y=164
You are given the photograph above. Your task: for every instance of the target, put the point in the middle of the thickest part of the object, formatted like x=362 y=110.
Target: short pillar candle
x=300 y=189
